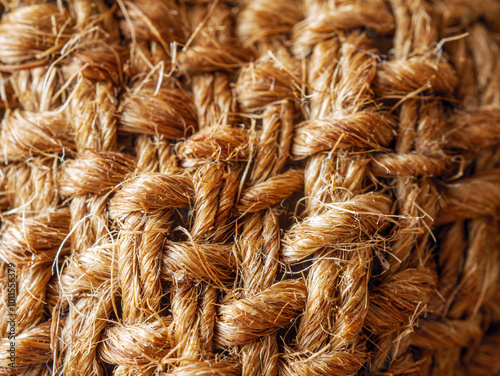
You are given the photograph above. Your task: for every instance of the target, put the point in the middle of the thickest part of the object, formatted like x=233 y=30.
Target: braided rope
x=254 y=187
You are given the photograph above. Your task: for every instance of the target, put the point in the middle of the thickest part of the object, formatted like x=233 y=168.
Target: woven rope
x=254 y=187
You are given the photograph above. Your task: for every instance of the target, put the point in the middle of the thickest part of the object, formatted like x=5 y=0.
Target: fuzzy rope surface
x=252 y=187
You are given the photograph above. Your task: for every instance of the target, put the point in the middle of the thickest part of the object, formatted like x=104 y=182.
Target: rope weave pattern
x=254 y=187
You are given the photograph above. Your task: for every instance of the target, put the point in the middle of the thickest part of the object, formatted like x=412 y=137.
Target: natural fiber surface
x=254 y=187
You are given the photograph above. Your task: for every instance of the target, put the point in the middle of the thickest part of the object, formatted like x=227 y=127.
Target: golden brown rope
x=250 y=187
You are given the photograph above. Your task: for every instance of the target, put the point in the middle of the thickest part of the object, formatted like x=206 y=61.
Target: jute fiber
x=254 y=187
